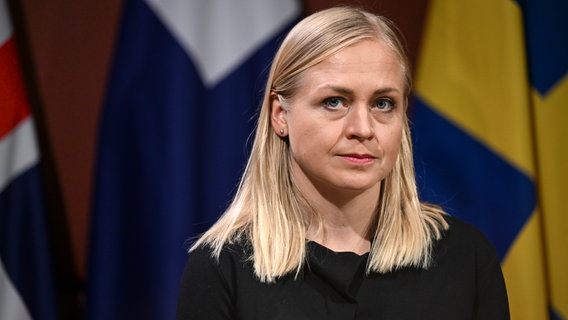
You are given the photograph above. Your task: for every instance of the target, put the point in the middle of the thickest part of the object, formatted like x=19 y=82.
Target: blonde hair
x=270 y=212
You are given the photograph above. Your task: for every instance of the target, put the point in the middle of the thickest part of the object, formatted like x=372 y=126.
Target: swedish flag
x=490 y=129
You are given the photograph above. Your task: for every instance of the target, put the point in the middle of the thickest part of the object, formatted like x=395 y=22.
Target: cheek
x=305 y=130
x=392 y=142
x=306 y=139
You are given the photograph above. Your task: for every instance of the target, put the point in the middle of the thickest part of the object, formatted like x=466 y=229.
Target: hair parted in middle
x=269 y=211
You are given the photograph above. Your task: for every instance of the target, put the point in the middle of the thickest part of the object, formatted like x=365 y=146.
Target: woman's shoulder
x=468 y=254
x=228 y=262
x=464 y=237
x=461 y=230
x=208 y=286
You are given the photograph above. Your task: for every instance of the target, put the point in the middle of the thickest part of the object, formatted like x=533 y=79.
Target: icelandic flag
x=186 y=82
x=490 y=129
x=26 y=279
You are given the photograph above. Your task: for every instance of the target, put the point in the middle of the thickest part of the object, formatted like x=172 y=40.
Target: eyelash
x=327 y=101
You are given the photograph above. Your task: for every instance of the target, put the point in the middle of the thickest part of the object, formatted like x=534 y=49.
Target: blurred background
x=143 y=109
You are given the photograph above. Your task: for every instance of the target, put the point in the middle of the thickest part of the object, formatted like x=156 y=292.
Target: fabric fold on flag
x=179 y=109
x=491 y=91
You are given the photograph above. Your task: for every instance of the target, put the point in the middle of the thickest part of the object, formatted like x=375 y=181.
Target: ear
x=278 y=116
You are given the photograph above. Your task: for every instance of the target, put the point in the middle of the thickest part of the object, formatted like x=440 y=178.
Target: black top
x=465 y=282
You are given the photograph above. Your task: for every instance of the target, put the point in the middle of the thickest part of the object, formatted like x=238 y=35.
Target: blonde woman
x=326 y=222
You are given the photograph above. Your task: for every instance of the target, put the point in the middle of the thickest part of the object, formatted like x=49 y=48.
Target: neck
x=346 y=220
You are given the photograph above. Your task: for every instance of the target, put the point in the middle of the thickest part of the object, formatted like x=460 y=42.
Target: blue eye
x=385 y=104
x=333 y=102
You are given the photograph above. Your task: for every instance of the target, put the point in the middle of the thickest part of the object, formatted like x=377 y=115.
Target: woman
x=326 y=223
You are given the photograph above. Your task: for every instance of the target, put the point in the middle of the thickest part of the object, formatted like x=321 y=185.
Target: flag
x=491 y=99
x=26 y=279
x=187 y=79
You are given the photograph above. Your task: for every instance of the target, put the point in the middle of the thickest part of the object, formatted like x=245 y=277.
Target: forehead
x=366 y=51
x=368 y=60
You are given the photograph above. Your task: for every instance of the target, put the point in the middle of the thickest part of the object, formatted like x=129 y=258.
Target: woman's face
x=345 y=123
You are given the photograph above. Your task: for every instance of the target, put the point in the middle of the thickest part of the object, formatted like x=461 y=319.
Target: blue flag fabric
x=186 y=82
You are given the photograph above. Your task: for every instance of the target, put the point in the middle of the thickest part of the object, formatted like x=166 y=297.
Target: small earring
x=281 y=131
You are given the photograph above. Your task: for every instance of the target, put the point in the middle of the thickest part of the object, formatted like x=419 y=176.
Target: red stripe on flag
x=14 y=105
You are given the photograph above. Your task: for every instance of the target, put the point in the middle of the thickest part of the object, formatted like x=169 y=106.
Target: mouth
x=358 y=158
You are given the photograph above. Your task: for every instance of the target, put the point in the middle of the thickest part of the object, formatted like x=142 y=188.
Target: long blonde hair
x=270 y=212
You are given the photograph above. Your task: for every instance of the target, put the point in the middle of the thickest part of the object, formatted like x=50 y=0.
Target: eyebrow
x=347 y=91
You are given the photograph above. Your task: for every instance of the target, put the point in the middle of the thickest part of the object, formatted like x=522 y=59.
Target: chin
x=359 y=186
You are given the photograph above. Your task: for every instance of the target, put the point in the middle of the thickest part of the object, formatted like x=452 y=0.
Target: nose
x=358 y=122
